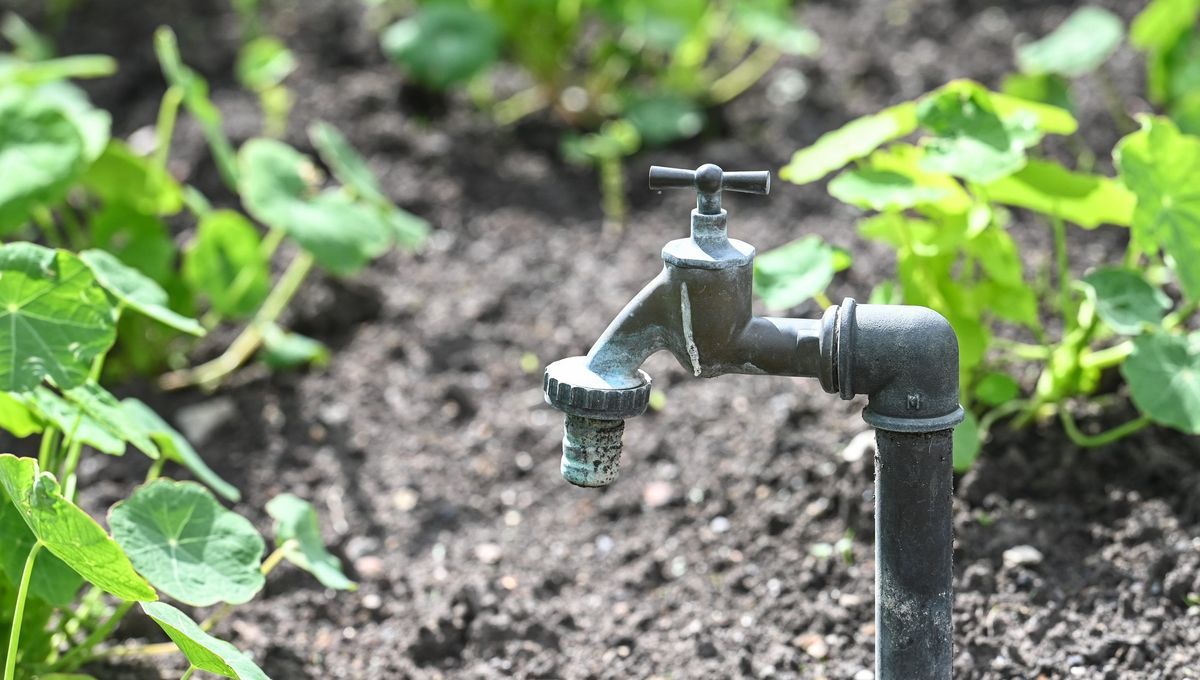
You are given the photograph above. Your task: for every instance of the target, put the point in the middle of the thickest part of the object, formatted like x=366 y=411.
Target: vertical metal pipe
x=913 y=555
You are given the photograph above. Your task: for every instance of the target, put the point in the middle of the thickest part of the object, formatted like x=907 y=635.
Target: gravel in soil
x=434 y=464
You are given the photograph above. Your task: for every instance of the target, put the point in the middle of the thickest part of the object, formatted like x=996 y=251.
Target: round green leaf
x=282 y=349
x=296 y=520
x=263 y=63
x=41 y=153
x=139 y=240
x=1125 y=300
x=342 y=234
x=1084 y=41
x=137 y=291
x=790 y=274
x=1164 y=379
x=226 y=264
x=189 y=546
x=202 y=650
x=120 y=176
x=882 y=190
x=443 y=44
x=853 y=140
x=176 y=447
x=68 y=532
x=71 y=419
x=996 y=388
x=54 y=318
x=971 y=139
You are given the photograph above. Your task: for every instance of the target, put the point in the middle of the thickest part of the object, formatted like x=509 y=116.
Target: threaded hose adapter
x=591 y=450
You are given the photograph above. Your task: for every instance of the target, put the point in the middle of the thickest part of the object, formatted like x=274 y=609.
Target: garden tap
x=904 y=358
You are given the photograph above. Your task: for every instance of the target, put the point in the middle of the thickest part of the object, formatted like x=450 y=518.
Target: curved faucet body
x=904 y=358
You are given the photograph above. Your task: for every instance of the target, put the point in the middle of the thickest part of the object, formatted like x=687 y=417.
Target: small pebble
x=1022 y=556
x=864 y=674
x=405 y=499
x=813 y=644
x=508 y=582
x=719 y=524
x=369 y=567
x=488 y=553
x=372 y=601
x=657 y=494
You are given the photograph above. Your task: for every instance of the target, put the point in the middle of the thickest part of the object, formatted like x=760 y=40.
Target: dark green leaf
x=1164 y=379
x=665 y=118
x=789 y=275
x=966 y=443
x=137 y=239
x=226 y=264
x=296 y=520
x=176 y=447
x=444 y=44
x=202 y=650
x=121 y=176
x=137 y=292
x=282 y=349
x=1080 y=45
x=1125 y=300
x=971 y=140
x=54 y=318
x=68 y=532
x=41 y=154
x=182 y=540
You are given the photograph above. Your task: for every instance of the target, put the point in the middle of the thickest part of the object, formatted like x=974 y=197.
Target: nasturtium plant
x=793 y=273
x=203 y=651
x=296 y=529
x=189 y=546
x=942 y=200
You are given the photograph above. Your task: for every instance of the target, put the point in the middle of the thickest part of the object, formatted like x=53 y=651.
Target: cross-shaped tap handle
x=709 y=180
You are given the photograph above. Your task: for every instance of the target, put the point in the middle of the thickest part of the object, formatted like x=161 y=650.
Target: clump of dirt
x=434 y=463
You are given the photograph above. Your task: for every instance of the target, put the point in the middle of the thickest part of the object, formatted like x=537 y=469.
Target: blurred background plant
x=621 y=74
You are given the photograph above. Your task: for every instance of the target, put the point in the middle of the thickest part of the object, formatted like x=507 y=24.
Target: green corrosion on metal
x=591 y=450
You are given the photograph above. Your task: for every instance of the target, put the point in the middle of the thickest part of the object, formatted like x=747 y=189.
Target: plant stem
x=44 y=219
x=164 y=127
x=156 y=468
x=1023 y=350
x=514 y=108
x=822 y=299
x=267 y=567
x=188 y=673
x=210 y=374
x=612 y=192
x=47 y=448
x=1062 y=269
x=745 y=74
x=1106 y=437
x=1109 y=356
x=156 y=649
x=14 y=636
x=83 y=652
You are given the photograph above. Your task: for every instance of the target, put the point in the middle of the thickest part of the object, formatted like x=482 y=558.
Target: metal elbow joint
x=904 y=358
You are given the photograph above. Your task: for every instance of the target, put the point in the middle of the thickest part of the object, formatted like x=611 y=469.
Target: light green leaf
x=994 y=389
x=1160 y=165
x=886 y=293
x=68 y=532
x=121 y=176
x=296 y=520
x=226 y=264
x=967 y=443
x=444 y=44
x=16 y=418
x=882 y=190
x=1164 y=379
x=282 y=349
x=52 y=581
x=1162 y=22
x=777 y=27
x=852 y=141
x=99 y=404
x=343 y=235
x=136 y=291
x=344 y=162
x=1044 y=88
x=69 y=418
x=409 y=230
x=94 y=125
x=971 y=140
x=664 y=118
x=905 y=160
x=1080 y=45
x=263 y=63
x=54 y=318
x=41 y=154
x=50 y=70
x=176 y=447
x=792 y=273
x=189 y=546
x=1125 y=300
x=202 y=650
x=1080 y=198
x=1046 y=118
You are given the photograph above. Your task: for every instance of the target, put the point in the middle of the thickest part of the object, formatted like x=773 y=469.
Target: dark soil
x=434 y=463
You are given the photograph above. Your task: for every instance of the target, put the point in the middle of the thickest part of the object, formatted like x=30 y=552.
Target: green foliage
x=1080 y=45
x=940 y=204
x=189 y=547
x=297 y=532
x=203 y=651
x=174 y=447
x=225 y=264
x=444 y=44
x=68 y=532
x=134 y=290
x=793 y=273
x=54 y=318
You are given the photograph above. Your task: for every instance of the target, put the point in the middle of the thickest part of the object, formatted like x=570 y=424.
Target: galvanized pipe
x=914 y=594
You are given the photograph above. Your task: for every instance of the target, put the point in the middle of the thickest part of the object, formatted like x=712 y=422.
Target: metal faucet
x=904 y=358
